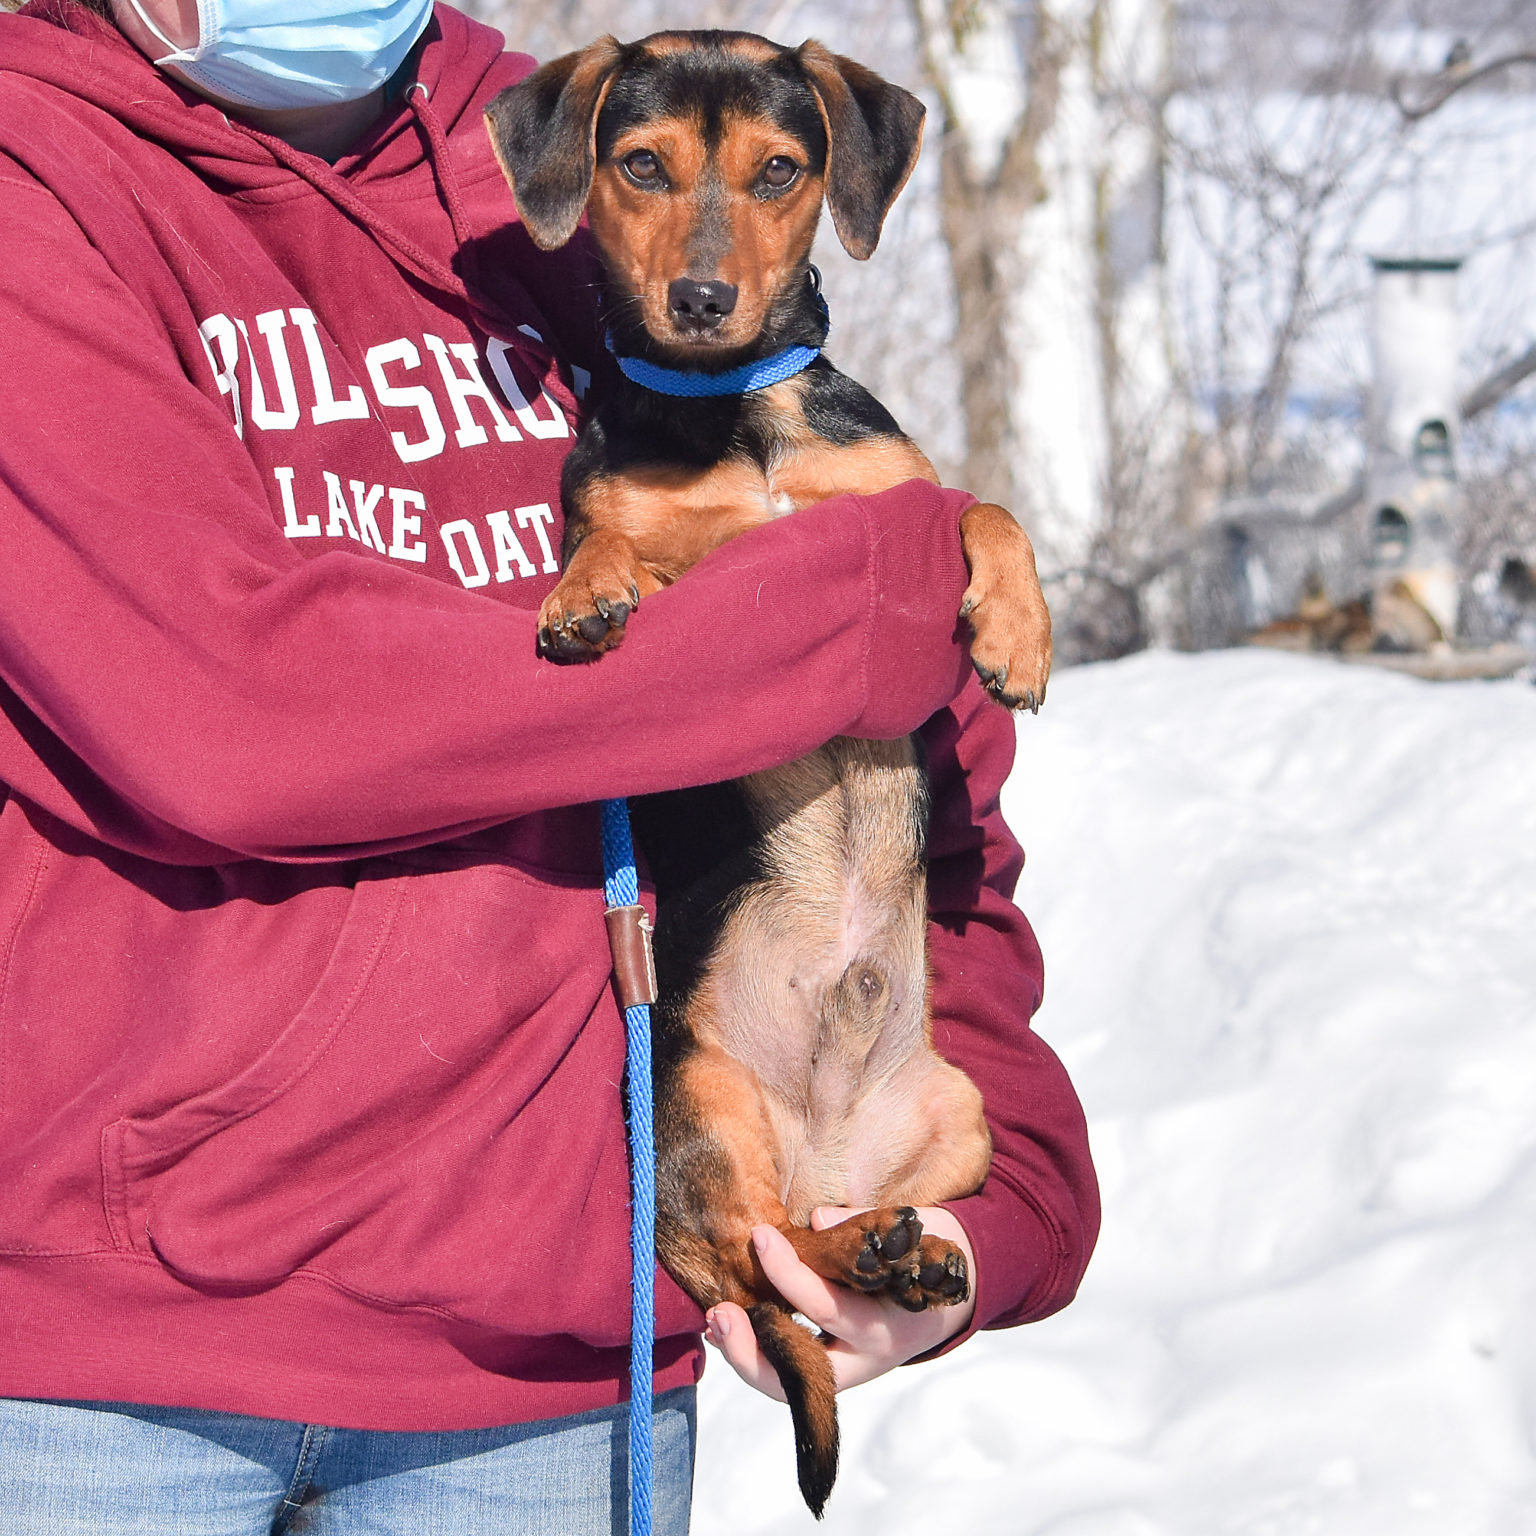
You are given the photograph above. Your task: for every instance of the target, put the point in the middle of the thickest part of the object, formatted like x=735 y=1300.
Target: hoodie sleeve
x=1034 y=1222
x=176 y=681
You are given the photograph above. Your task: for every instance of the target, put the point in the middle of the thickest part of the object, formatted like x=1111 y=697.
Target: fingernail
x=761 y=1237
x=719 y=1327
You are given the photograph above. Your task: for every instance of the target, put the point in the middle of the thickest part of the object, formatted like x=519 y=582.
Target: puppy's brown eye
x=780 y=172
x=643 y=166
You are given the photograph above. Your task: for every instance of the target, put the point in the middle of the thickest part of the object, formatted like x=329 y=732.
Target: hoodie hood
x=414 y=173
x=70 y=48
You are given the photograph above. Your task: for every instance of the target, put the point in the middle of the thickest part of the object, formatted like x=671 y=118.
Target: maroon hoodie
x=309 y=1060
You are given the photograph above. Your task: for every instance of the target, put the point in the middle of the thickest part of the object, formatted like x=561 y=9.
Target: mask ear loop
x=177 y=55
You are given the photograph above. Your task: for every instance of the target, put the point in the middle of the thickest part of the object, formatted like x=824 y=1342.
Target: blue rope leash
x=621 y=891
x=629 y=936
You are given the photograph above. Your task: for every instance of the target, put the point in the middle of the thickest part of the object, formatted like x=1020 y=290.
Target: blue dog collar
x=734 y=381
x=690 y=384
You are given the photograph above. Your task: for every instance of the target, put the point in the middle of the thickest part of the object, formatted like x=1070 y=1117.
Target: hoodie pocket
x=138 y=1149
x=440 y=1075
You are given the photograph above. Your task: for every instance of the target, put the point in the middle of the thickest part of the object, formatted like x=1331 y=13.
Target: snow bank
x=1289 y=917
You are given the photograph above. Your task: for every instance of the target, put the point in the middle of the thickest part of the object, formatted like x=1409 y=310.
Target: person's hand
x=869 y=1336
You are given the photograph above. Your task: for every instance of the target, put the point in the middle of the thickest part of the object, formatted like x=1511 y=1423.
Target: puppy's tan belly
x=818 y=986
x=880 y=1151
x=817 y=1003
x=825 y=1014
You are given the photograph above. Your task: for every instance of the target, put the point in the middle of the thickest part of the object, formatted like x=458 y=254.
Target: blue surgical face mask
x=274 y=54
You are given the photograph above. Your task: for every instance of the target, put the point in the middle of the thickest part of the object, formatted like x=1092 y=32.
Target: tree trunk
x=982 y=212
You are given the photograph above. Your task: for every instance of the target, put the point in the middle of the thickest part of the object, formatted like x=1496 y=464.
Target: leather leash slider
x=634 y=964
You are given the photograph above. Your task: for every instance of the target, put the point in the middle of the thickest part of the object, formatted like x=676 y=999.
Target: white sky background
x=1464 y=186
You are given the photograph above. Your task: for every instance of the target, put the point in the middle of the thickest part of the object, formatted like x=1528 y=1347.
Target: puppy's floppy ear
x=544 y=132
x=874 y=130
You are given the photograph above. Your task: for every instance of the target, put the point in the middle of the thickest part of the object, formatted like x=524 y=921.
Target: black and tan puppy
x=794 y=1056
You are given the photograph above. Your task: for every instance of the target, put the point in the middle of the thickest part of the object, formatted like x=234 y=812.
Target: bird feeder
x=1413 y=498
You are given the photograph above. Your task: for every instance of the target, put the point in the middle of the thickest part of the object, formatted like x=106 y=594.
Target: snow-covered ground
x=1289 y=916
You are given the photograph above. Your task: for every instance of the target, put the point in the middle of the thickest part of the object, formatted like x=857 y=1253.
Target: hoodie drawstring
x=406 y=252
x=419 y=98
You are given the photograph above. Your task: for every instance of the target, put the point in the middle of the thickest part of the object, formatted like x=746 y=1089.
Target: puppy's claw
x=616 y=615
x=993 y=682
x=996 y=685
x=898 y=1259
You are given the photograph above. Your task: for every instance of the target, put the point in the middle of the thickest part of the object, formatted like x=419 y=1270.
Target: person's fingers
x=864 y=1336
x=833 y=1308
x=729 y=1329
x=853 y=1367
x=799 y=1285
x=825 y=1216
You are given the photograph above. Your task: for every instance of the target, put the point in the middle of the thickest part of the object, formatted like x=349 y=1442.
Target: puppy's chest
x=777 y=448
x=806 y=455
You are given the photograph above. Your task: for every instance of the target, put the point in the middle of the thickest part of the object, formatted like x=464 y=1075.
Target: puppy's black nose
x=700 y=306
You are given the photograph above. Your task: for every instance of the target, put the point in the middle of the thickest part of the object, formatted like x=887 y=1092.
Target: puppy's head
x=701 y=160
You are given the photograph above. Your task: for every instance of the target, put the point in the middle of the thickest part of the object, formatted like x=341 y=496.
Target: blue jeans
x=116 y=1469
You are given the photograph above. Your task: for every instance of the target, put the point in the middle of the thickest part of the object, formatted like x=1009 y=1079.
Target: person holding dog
x=313 y=1184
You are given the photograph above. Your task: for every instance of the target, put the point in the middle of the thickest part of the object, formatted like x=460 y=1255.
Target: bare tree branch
x=1487 y=392
x=1454 y=82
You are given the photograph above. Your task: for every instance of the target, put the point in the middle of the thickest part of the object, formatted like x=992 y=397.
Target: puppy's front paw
x=1010 y=650
x=1010 y=623
x=580 y=620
